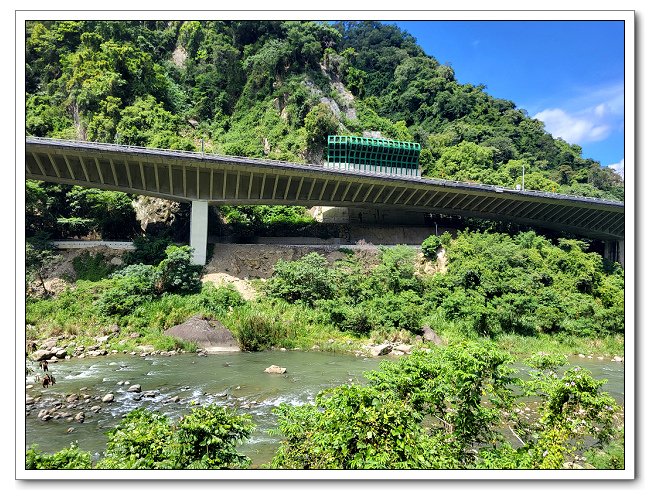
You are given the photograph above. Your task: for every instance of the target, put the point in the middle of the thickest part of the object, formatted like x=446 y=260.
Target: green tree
x=176 y=272
x=306 y=280
x=320 y=122
x=140 y=441
x=207 y=439
x=112 y=213
x=354 y=427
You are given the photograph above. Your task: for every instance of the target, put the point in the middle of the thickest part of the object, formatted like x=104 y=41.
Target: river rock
x=211 y=335
x=429 y=335
x=404 y=348
x=108 y=398
x=96 y=408
x=97 y=352
x=135 y=388
x=42 y=354
x=150 y=394
x=29 y=400
x=275 y=369
x=60 y=353
x=80 y=417
x=72 y=398
x=70 y=429
x=381 y=349
x=618 y=359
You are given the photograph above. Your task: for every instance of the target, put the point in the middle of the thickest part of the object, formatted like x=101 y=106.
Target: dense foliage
x=139 y=283
x=526 y=284
x=206 y=438
x=495 y=284
x=448 y=408
x=276 y=89
x=67 y=458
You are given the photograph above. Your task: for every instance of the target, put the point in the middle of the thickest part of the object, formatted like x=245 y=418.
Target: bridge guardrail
x=72 y=244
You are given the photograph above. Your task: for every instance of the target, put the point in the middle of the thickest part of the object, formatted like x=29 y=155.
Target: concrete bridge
x=207 y=179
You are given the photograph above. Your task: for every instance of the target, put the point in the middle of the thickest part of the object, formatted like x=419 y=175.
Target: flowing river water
x=172 y=384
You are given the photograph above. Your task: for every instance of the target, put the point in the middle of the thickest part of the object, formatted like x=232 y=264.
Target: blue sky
x=568 y=74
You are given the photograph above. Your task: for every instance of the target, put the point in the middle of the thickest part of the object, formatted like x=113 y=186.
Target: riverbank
x=362 y=317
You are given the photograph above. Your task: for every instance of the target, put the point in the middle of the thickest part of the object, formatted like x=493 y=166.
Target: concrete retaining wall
x=118 y=245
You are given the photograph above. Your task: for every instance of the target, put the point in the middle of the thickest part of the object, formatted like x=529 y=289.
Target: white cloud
x=619 y=168
x=587 y=126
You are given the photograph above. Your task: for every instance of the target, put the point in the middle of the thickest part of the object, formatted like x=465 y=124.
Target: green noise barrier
x=365 y=154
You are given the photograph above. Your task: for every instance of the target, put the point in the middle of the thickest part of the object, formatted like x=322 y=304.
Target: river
x=236 y=380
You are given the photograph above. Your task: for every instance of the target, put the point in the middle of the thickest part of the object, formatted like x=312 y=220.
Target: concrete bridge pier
x=615 y=250
x=199 y=232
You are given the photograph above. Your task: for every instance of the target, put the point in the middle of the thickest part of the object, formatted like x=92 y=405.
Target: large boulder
x=42 y=354
x=381 y=349
x=429 y=335
x=210 y=336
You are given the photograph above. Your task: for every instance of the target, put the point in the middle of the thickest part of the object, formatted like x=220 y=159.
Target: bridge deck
x=215 y=179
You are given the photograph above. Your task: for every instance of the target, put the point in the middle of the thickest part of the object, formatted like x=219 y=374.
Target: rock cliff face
x=150 y=210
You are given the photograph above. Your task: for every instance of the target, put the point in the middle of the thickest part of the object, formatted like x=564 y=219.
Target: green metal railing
x=373 y=155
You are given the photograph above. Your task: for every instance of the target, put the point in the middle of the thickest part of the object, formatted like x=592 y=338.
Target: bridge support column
x=615 y=250
x=199 y=232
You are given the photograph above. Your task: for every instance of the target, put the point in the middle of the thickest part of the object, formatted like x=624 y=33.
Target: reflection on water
x=172 y=384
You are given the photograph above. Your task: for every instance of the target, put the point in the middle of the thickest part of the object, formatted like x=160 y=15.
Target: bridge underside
x=216 y=180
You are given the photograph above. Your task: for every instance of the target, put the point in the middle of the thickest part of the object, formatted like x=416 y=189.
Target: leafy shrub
x=207 y=439
x=430 y=247
x=176 y=273
x=305 y=280
x=396 y=270
x=139 y=441
x=402 y=311
x=257 y=331
x=91 y=267
x=130 y=287
x=219 y=300
x=68 y=458
x=149 y=249
x=445 y=238
x=348 y=317
x=356 y=427
x=526 y=285
x=204 y=439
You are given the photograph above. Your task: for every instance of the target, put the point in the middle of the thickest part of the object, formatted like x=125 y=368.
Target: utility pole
x=523 y=173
